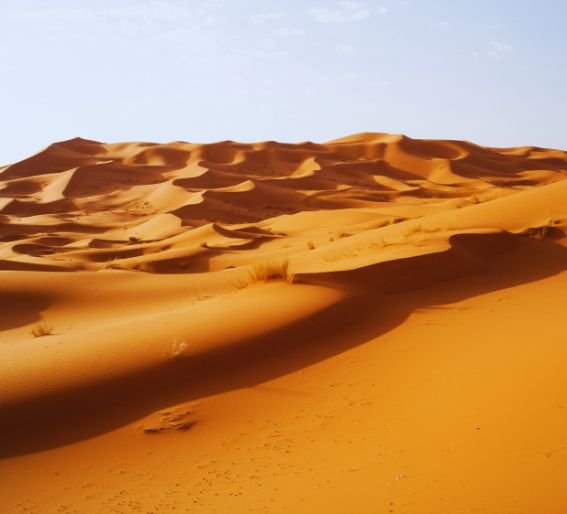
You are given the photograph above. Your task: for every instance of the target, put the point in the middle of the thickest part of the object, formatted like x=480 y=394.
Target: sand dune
x=366 y=325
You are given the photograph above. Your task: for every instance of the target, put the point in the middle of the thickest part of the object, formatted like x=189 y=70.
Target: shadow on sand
x=381 y=297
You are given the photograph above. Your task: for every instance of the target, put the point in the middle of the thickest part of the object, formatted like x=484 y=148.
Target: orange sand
x=409 y=360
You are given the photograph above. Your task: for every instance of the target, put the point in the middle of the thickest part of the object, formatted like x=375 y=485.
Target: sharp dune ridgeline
x=368 y=325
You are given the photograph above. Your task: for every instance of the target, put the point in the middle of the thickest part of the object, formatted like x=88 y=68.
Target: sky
x=489 y=71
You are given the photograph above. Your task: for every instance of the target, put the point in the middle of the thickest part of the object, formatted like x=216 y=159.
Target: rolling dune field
x=370 y=325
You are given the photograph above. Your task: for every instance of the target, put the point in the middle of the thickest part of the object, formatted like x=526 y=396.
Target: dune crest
x=78 y=188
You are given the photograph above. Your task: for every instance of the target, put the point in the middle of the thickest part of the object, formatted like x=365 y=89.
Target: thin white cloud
x=129 y=16
x=148 y=10
x=346 y=49
x=264 y=17
x=346 y=11
x=440 y=25
x=491 y=27
x=288 y=31
x=247 y=56
x=499 y=50
x=376 y=80
x=501 y=47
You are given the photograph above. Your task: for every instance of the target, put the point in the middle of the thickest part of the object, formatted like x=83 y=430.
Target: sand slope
x=411 y=362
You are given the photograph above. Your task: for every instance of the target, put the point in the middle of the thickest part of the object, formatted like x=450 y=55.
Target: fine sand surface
x=371 y=325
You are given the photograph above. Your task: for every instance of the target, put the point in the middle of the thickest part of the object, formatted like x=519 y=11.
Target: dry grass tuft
x=113 y=263
x=269 y=271
x=240 y=283
x=178 y=348
x=42 y=330
x=547 y=231
x=272 y=271
x=378 y=243
x=412 y=229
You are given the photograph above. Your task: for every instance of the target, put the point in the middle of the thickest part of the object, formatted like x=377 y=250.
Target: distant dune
x=369 y=325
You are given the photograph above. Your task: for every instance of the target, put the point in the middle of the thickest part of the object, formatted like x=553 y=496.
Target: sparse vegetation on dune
x=272 y=271
x=548 y=230
x=419 y=228
x=113 y=263
x=267 y=271
x=41 y=330
x=378 y=243
x=412 y=229
x=240 y=283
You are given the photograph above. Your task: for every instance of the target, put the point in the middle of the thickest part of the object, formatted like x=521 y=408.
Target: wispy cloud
x=499 y=50
x=346 y=49
x=128 y=16
x=440 y=25
x=147 y=10
x=491 y=27
x=346 y=11
x=247 y=56
x=264 y=17
x=288 y=31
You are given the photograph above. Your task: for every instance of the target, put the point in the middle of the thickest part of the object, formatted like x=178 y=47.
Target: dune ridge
x=392 y=359
x=91 y=194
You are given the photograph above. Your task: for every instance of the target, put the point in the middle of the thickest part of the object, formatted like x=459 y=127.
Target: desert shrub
x=378 y=243
x=271 y=271
x=268 y=271
x=412 y=229
x=41 y=330
x=240 y=283
x=548 y=231
x=112 y=263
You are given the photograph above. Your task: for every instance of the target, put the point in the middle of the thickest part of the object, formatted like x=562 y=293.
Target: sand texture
x=370 y=325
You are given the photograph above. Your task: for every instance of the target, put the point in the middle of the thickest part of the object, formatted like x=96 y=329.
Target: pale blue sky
x=491 y=71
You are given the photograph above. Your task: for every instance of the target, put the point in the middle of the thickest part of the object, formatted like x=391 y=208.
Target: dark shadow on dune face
x=17 y=232
x=26 y=209
x=19 y=309
x=469 y=253
x=30 y=266
x=197 y=263
x=377 y=302
x=9 y=238
x=55 y=158
x=33 y=249
x=109 y=255
x=56 y=241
